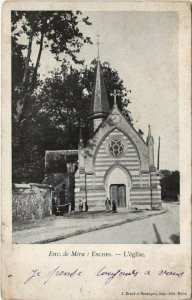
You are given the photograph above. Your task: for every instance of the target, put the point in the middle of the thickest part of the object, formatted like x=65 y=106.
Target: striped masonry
x=96 y=194
x=104 y=160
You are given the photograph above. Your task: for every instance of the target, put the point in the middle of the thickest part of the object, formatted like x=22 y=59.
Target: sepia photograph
x=96 y=150
x=95 y=127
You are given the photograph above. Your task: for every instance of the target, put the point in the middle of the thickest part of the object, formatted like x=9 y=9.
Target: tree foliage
x=56 y=30
x=60 y=108
x=170 y=185
x=48 y=114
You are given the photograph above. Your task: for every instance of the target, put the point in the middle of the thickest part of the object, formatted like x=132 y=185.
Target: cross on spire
x=115 y=94
x=98 y=44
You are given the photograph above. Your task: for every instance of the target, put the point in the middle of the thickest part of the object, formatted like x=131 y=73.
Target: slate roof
x=99 y=103
x=56 y=161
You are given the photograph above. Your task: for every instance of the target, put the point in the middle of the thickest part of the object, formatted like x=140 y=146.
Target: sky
x=143 y=48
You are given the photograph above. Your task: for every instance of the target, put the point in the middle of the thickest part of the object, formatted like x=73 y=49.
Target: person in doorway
x=84 y=205
x=107 y=204
x=114 y=207
x=80 y=205
x=54 y=205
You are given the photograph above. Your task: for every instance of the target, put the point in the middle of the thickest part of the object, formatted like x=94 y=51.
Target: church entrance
x=118 y=193
x=117 y=185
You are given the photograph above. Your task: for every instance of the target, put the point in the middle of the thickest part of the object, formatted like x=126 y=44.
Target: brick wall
x=31 y=202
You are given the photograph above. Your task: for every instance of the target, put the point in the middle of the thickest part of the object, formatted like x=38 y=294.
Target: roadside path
x=56 y=228
x=159 y=229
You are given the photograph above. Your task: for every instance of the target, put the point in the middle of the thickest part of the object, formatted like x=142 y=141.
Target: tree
x=59 y=109
x=56 y=30
x=18 y=62
x=170 y=185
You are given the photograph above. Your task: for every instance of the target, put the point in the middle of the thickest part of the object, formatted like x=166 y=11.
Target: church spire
x=99 y=108
x=99 y=105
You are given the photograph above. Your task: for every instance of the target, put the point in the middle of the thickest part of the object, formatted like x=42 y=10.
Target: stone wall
x=31 y=202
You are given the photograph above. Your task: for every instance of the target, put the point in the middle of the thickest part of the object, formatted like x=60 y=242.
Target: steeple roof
x=99 y=103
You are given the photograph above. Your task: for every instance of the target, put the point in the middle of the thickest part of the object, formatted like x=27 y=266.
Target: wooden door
x=118 y=193
x=114 y=192
x=121 y=196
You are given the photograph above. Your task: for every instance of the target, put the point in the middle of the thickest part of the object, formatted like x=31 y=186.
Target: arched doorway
x=118 y=185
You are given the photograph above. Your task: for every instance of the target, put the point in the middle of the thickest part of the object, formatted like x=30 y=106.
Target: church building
x=116 y=162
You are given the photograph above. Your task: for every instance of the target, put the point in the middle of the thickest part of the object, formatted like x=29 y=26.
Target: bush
x=170 y=185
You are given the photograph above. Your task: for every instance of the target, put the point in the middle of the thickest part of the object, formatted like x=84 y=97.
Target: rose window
x=116 y=147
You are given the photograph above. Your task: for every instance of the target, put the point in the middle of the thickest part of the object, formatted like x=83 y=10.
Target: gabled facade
x=116 y=162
